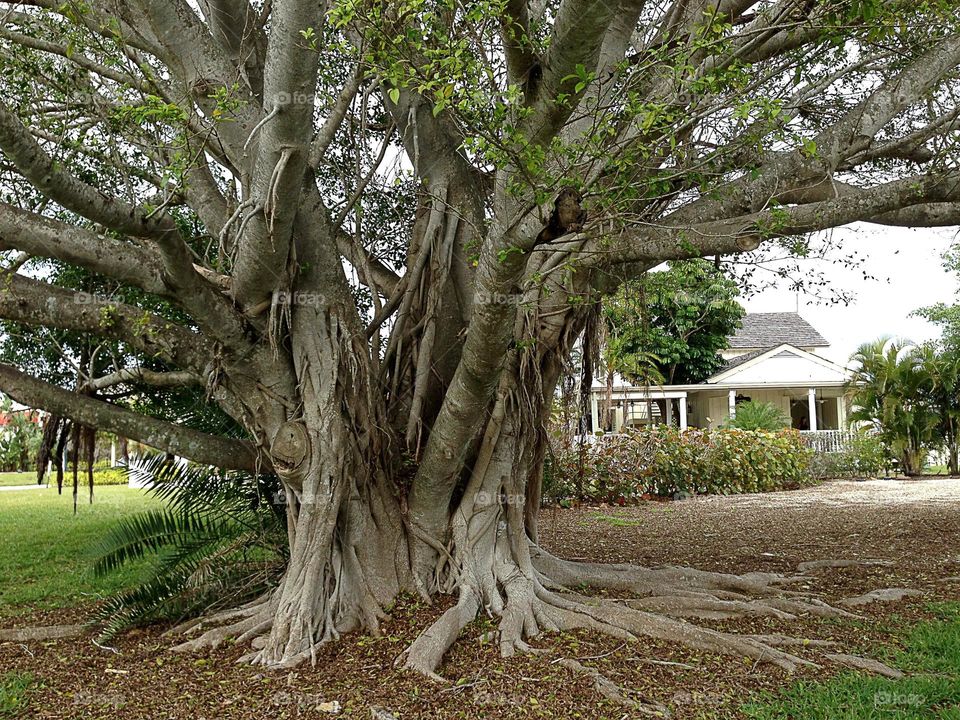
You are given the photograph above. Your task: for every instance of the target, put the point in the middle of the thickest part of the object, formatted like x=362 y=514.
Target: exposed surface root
x=883 y=595
x=784 y=640
x=641 y=581
x=426 y=652
x=527 y=614
x=707 y=608
x=47 y=632
x=249 y=621
x=612 y=691
x=867 y=664
x=823 y=564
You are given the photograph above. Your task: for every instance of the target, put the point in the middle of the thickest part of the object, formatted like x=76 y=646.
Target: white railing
x=828 y=441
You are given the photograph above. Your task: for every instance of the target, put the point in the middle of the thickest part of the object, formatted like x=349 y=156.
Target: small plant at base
x=220 y=541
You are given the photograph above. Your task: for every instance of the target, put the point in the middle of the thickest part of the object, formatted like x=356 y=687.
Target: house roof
x=778 y=366
x=767 y=330
x=741 y=359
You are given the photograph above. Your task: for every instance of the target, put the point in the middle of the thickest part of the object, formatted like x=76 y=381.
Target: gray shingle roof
x=741 y=359
x=767 y=330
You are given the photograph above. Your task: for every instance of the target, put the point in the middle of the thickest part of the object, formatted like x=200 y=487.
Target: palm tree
x=891 y=391
x=942 y=364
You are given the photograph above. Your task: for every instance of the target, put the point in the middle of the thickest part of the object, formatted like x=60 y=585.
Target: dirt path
x=891 y=519
x=908 y=530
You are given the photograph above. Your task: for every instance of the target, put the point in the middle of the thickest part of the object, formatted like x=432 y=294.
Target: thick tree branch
x=142 y=376
x=210 y=309
x=744 y=233
x=577 y=37
x=517 y=41
x=186 y=442
x=38 y=304
x=43 y=237
x=853 y=133
x=282 y=142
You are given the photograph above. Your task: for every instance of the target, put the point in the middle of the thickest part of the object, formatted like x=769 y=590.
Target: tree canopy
x=679 y=319
x=383 y=226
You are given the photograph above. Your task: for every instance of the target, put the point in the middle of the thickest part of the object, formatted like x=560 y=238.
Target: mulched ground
x=913 y=524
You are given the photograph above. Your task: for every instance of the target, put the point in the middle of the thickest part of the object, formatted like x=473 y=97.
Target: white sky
x=909 y=274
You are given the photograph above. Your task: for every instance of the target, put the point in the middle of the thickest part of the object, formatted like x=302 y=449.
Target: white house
x=772 y=358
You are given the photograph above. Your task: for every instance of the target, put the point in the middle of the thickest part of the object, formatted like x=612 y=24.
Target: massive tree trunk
x=397 y=374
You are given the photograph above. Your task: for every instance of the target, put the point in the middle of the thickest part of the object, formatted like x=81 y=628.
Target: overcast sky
x=909 y=275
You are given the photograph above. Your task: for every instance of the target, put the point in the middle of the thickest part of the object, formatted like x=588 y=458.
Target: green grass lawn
x=45 y=550
x=17 y=478
x=931 y=691
x=14 y=688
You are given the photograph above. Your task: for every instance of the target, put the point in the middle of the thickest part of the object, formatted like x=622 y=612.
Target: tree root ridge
x=534 y=598
x=247 y=623
x=611 y=691
x=535 y=606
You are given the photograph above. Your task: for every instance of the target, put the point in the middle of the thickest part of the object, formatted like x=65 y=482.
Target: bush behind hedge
x=663 y=461
x=865 y=456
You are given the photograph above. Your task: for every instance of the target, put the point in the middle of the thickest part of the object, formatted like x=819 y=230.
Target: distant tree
x=755 y=415
x=891 y=390
x=946 y=315
x=941 y=363
x=20 y=437
x=676 y=320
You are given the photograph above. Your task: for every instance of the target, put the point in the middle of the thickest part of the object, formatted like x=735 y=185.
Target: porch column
x=683 y=413
x=732 y=404
x=113 y=452
x=812 y=405
x=594 y=413
x=841 y=413
x=668 y=406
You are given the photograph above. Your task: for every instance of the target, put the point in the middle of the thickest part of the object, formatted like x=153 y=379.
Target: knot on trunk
x=568 y=216
x=290 y=449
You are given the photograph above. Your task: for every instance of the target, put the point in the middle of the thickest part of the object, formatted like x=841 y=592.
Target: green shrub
x=865 y=456
x=663 y=461
x=103 y=474
x=755 y=415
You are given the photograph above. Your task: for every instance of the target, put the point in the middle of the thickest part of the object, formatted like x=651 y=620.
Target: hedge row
x=663 y=461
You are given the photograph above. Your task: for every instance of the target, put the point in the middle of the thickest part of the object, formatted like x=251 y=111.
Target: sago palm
x=219 y=540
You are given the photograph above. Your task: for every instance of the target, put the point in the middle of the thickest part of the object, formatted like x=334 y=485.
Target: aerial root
x=611 y=691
